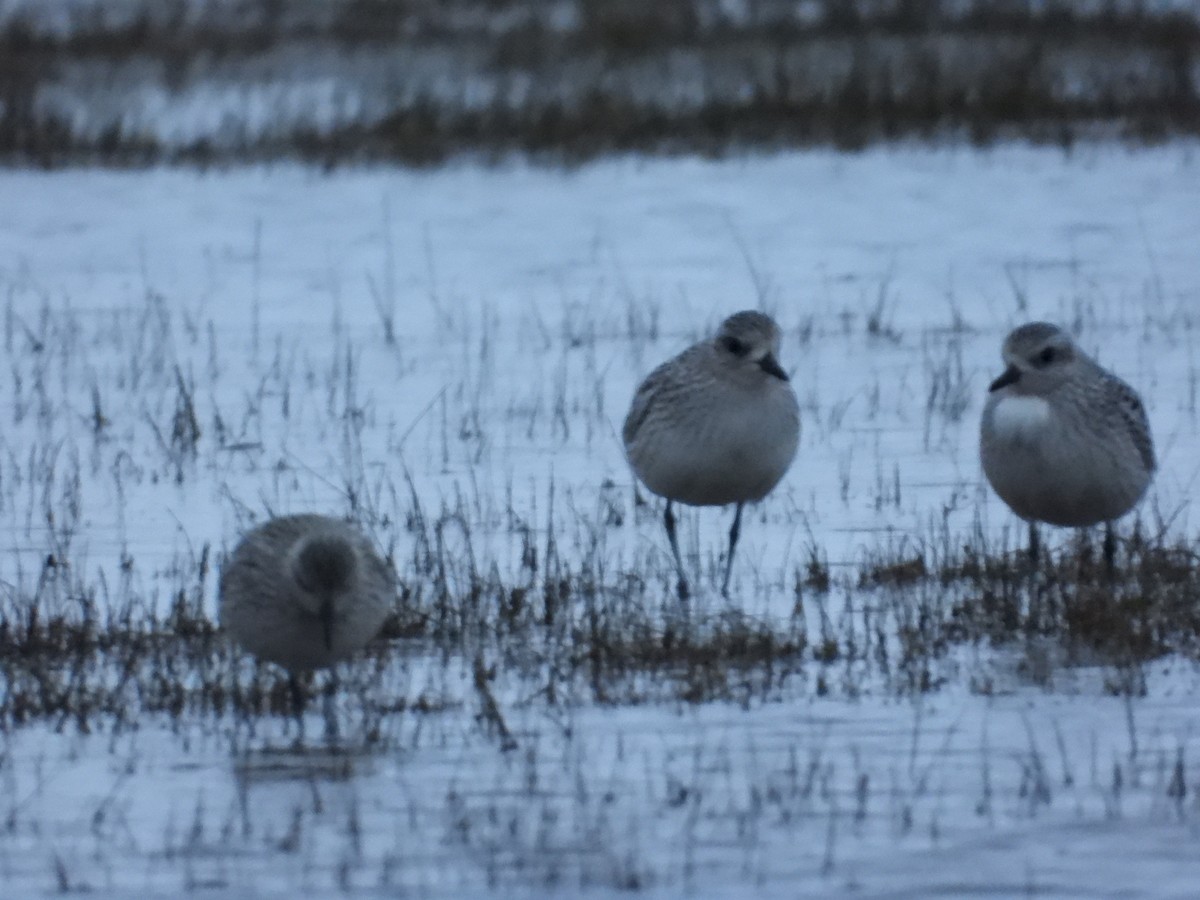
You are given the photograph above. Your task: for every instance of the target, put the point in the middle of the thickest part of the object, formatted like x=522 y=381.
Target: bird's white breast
x=1017 y=417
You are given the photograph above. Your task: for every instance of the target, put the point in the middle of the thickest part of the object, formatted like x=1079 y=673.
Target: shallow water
x=527 y=304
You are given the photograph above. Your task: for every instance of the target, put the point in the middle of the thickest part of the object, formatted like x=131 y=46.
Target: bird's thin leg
x=297 y=693
x=734 y=531
x=1110 y=549
x=329 y=707
x=299 y=700
x=669 y=519
x=1035 y=545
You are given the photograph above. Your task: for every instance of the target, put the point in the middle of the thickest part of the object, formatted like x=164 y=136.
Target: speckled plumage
x=717 y=424
x=1084 y=458
x=305 y=591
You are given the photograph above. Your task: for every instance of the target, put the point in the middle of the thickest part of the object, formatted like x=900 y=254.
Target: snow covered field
x=447 y=356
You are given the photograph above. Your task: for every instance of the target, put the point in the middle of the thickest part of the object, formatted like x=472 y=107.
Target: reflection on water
x=302 y=762
x=811 y=794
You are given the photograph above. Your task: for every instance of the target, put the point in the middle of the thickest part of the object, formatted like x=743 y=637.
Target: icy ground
x=525 y=305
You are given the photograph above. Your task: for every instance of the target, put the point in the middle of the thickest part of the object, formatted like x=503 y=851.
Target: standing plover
x=717 y=424
x=1063 y=441
x=305 y=591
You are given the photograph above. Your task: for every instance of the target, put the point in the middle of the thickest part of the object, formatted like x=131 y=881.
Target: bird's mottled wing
x=650 y=391
x=1133 y=416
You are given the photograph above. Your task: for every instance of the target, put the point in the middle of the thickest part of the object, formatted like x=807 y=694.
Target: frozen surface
x=526 y=306
x=956 y=794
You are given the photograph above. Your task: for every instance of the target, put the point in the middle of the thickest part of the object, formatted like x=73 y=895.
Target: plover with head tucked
x=1062 y=440
x=717 y=424
x=305 y=591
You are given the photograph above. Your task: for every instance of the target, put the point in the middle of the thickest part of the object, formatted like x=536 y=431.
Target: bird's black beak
x=326 y=614
x=771 y=366
x=1011 y=376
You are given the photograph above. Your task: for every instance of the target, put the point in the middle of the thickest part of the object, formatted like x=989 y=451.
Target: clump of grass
x=816 y=575
x=907 y=570
x=581 y=634
x=729 y=656
x=1143 y=609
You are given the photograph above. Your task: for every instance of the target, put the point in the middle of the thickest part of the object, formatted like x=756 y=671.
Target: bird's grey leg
x=297 y=693
x=299 y=700
x=669 y=519
x=329 y=707
x=1035 y=545
x=734 y=531
x=1110 y=549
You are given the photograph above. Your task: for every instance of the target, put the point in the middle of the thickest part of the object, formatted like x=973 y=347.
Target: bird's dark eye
x=1047 y=356
x=734 y=346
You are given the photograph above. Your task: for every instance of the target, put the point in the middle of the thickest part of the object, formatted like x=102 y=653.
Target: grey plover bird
x=305 y=591
x=717 y=424
x=1062 y=440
